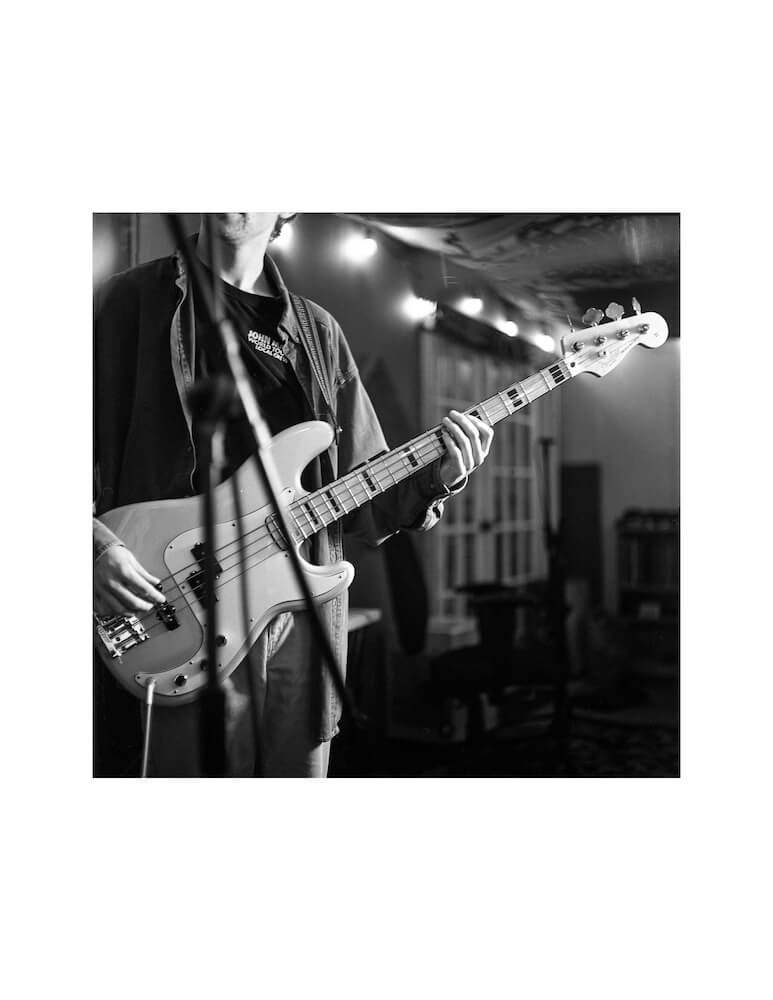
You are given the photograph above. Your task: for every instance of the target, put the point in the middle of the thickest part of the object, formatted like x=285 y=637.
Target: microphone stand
x=209 y=400
x=556 y=603
x=221 y=326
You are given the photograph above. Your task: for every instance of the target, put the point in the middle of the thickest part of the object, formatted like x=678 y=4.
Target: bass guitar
x=167 y=644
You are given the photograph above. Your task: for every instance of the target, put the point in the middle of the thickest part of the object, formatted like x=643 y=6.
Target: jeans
x=286 y=680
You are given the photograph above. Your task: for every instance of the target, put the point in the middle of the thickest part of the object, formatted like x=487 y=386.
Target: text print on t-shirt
x=267 y=345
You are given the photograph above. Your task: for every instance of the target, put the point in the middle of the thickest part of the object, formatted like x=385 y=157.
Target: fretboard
x=358 y=487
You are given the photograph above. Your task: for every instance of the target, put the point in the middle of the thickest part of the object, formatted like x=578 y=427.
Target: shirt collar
x=288 y=324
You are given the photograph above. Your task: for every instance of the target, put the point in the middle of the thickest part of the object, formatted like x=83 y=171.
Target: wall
x=629 y=423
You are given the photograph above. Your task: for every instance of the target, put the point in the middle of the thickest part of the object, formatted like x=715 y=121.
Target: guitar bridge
x=120 y=633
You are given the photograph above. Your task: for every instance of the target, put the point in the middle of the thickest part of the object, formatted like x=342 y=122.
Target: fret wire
x=340 y=498
x=373 y=473
x=294 y=523
x=389 y=472
x=430 y=442
x=300 y=526
x=362 y=482
x=321 y=514
x=306 y=514
x=309 y=501
x=425 y=447
x=328 y=504
x=351 y=494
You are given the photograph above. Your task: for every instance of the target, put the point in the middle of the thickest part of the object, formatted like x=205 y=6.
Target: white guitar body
x=162 y=535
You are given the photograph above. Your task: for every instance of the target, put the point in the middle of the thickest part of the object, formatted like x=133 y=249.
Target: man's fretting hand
x=468 y=441
x=122 y=586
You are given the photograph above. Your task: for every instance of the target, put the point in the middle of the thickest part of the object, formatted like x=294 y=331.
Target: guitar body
x=170 y=646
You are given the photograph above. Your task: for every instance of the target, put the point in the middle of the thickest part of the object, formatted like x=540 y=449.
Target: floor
x=626 y=731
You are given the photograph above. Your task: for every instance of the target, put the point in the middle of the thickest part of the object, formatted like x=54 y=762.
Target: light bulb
x=509 y=328
x=417 y=308
x=359 y=248
x=545 y=343
x=471 y=305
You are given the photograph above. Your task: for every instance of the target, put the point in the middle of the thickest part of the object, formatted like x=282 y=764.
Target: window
x=491 y=531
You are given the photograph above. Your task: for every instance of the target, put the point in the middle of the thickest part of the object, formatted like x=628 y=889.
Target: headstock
x=602 y=346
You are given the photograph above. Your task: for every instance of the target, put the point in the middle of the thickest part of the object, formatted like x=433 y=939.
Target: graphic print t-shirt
x=279 y=393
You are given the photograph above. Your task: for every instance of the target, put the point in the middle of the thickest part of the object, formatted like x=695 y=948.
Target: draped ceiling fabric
x=547 y=258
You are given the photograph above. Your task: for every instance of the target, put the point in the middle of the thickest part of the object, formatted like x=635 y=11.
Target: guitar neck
x=358 y=487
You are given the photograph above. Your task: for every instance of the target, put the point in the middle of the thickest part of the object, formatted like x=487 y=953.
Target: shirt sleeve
x=416 y=503
x=104 y=538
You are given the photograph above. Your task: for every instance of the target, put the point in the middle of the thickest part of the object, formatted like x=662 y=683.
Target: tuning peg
x=636 y=306
x=614 y=311
x=592 y=317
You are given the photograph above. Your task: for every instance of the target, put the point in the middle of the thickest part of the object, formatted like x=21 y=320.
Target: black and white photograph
x=410 y=481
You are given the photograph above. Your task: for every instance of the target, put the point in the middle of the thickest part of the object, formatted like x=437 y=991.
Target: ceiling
x=562 y=261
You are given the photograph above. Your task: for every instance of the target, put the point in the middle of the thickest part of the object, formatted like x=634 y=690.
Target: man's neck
x=240 y=265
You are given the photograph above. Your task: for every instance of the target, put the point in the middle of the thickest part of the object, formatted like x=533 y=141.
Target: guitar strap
x=311 y=342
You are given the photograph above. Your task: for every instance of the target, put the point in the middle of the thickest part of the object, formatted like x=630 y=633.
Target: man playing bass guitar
x=147 y=355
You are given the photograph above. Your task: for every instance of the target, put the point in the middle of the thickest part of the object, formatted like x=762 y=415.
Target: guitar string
x=222 y=581
x=394 y=459
x=428 y=446
x=388 y=462
x=265 y=539
x=423 y=445
x=289 y=509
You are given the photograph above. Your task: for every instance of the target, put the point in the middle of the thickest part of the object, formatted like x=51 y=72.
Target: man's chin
x=238 y=227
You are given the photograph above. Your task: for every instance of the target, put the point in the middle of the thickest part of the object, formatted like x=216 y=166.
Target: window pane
x=469 y=506
x=450 y=563
x=526 y=499
x=526 y=539
x=499 y=488
x=469 y=558
x=514 y=568
x=464 y=372
x=522 y=447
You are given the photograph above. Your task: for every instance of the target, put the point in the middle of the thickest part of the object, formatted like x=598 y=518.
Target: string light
x=471 y=305
x=417 y=309
x=509 y=328
x=545 y=343
x=359 y=248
